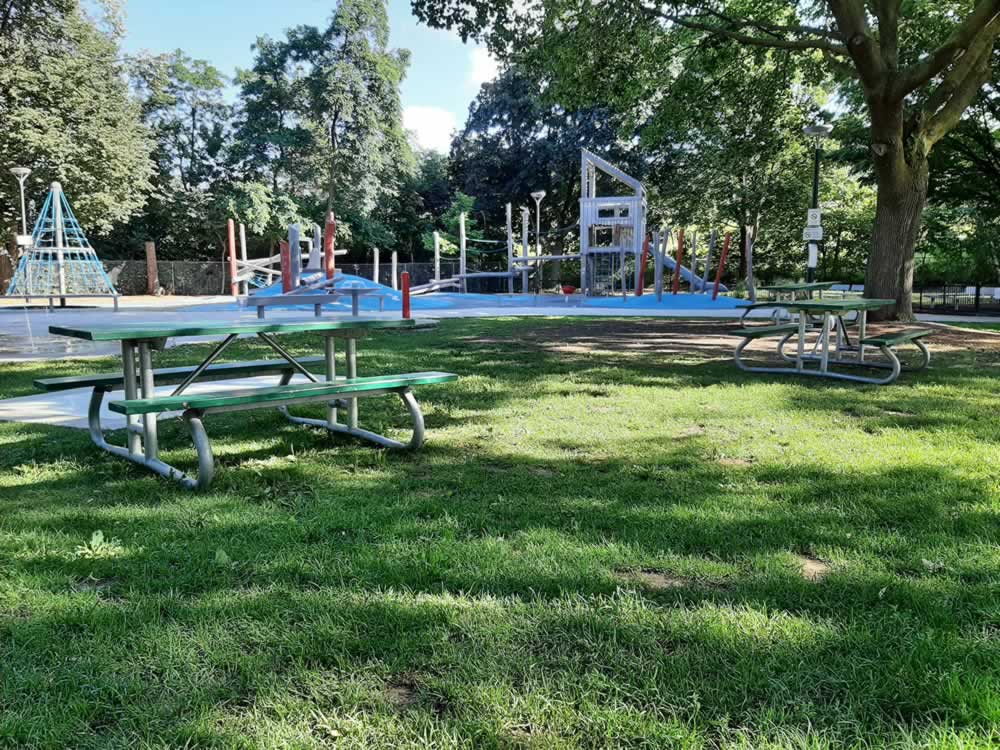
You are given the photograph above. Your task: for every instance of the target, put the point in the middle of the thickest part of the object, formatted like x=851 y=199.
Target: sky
x=443 y=78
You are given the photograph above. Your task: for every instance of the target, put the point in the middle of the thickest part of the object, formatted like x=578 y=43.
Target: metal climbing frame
x=60 y=260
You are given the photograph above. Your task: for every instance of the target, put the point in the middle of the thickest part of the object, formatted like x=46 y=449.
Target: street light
x=538 y=195
x=817 y=132
x=21 y=173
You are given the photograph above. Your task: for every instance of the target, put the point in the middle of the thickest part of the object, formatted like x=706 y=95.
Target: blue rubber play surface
x=455 y=301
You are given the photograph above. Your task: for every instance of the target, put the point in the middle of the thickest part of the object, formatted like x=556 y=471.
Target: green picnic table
x=832 y=345
x=788 y=293
x=139 y=379
x=795 y=288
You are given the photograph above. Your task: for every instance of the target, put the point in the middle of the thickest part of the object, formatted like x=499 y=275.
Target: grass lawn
x=613 y=538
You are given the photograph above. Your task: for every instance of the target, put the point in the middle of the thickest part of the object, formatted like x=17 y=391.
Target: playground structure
x=615 y=247
x=615 y=250
x=59 y=261
x=319 y=256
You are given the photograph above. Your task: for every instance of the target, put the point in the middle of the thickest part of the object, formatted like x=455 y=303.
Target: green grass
x=486 y=592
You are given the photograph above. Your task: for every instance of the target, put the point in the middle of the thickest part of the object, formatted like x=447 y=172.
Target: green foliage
x=517 y=140
x=67 y=114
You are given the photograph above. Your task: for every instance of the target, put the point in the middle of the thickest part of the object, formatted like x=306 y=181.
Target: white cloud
x=432 y=126
x=483 y=68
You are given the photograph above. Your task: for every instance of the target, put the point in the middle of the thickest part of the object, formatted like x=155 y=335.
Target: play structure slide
x=696 y=282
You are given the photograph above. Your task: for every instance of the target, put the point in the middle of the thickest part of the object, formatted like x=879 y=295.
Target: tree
x=24 y=15
x=182 y=104
x=67 y=114
x=915 y=66
x=516 y=141
x=321 y=120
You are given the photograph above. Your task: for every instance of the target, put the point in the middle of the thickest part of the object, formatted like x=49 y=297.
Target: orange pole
x=286 y=267
x=405 y=283
x=329 y=263
x=680 y=260
x=234 y=286
x=640 y=282
x=722 y=265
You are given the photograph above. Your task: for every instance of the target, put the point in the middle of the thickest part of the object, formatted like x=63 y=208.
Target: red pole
x=234 y=286
x=405 y=283
x=680 y=260
x=640 y=282
x=286 y=267
x=722 y=265
x=328 y=245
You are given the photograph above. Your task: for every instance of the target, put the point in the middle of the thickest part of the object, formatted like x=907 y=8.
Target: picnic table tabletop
x=822 y=305
x=813 y=286
x=172 y=329
x=831 y=305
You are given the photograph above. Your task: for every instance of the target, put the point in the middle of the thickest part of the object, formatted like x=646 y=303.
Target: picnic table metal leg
x=352 y=372
x=131 y=392
x=800 y=358
x=150 y=439
x=824 y=361
x=330 y=352
x=862 y=326
x=206 y=461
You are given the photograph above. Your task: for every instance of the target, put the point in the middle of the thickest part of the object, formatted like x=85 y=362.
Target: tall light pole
x=538 y=195
x=814 y=232
x=21 y=173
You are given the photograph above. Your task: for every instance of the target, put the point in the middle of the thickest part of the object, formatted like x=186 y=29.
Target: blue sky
x=444 y=73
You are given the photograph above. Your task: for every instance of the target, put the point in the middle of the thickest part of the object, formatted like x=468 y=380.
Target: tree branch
x=853 y=25
x=887 y=12
x=949 y=115
x=985 y=12
x=775 y=42
x=961 y=69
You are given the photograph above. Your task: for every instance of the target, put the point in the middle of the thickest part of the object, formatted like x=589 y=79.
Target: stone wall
x=176 y=276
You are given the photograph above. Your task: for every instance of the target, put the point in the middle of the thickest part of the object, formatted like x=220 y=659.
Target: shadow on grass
x=493 y=579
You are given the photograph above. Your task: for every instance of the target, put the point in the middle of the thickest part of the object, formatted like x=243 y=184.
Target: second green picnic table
x=139 y=379
x=832 y=345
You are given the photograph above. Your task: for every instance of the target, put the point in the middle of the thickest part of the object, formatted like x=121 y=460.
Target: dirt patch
x=401 y=693
x=692 y=431
x=812 y=568
x=625 y=337
x=703 y=338
x=735 y=463
x=657 y=580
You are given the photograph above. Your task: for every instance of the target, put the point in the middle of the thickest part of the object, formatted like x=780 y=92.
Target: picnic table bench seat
x=887 y=343
x=333 y=393
x=895 y=338
x=231 y=400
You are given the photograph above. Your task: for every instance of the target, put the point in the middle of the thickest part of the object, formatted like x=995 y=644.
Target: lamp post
x=21 y=173
x=538 y=195
x=817 y=133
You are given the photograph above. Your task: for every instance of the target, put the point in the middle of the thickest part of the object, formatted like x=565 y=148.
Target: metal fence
x=194 y=278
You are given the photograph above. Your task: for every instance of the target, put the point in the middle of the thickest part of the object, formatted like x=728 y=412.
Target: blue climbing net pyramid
x=60 y=259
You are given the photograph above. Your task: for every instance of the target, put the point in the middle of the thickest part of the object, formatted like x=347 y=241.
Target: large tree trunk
x=902 y=193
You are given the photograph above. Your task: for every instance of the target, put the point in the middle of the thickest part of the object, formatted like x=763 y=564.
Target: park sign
x=812 y=234
x=814 y=217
